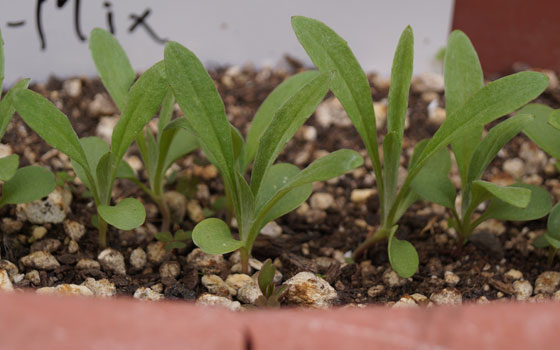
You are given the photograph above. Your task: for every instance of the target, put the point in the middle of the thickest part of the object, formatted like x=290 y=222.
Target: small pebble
x=40 y=260
x=392 y=279
x=448 y=296
x=217 y=286
x=66 y=289
x=522 y=289
x=33 y=277
x=156 y=252
x=73 y=247
x=48 y=245
x=74 y=229
x=144 y=293
x=169 y=269
x=112 y=260
x=5 y=283
x=361 y=195
x=53 y=209
x=206 y=263
x=547 y=282
x=514 y=274
x=307 y=289
x=86 y=264
x=376 y=290
x=451 y=279
x=321 y=201
x=272 y=229
x=138 y=258
x=100 y=288
x=39 y=232
x=515 y=167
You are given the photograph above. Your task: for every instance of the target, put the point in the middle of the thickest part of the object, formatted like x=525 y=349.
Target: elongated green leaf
x=330 y=53
x=166 y=112
x=125 y=171
x=553 y=241
x=94 y=148
x=402 y=256
x=539 y=205
x=28 y=184
x=554 y=119
x=237 y=142
x=126 y=215
x=290 y=117
x=182 y=144
x=463 y=77
x=401 y=74
x=496 y=99
x=7 y=107
x=432 y=182
x=246 y=216
x=1 y=63
x=8 y=166
x=266 y=278
x=112 y=65
x=279 y=175
x=268 y=110
x=391 y=156
x=144 y=100
x=199 y=99
x=553 y=222
x=104 y=177
x=541 y=241
x=496 y=138
x=49 y=123
x=540 y=131
x=213 y=237
x=515 y=196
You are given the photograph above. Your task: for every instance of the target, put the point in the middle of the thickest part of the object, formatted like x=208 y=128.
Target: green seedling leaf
x=401 y=74
x=50 y=124
x=541 y=242
x=144 y=100
x=182 y=144
x=277 y=178
x=276 y=99
x=432 y=182
x=166 y=112
x=237 y=141
x=391 y=154
x=463 y=77
x=539 y=205
x=7 y=108
x=539 y=130
x=104 y=177
x=94 y=148
x=164 y=236
x=552 y=241
x=553 y=222
x=496 y=138
x=213 y=237
x=198 y=97
x=175 y=245
x=554 y=119
x=126 y=215
x=496 y=99
x=515 y=196
x=8 y=167
x=402 y=255
x=1 y=62
x=125 y=171
x=182 y=235
x=289 y=118
x=28 y=184
x=266 y=278
x=330 y=53
x=112 y=64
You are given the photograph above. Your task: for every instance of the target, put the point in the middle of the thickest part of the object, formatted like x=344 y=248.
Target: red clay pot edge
x=29 y=321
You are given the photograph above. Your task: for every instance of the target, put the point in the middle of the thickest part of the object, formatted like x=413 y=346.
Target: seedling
x=274 y=189
x=520 y=202
x=16 y=188
x=544 y=130
x=270 y=294
x=176 y=241
x=330 y=53
x=94 y=162
x=158 y=153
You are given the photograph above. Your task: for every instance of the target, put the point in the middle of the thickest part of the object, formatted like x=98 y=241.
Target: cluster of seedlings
x=257 y=189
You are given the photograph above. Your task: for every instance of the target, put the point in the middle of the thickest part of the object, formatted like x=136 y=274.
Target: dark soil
x=310 y=238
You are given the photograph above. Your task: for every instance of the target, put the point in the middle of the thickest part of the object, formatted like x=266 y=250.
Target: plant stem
x=102 y=232
x=244 y=260
x=378 y=236
x=165 y=215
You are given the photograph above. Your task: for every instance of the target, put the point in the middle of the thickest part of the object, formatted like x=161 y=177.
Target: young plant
x=544 y=130
x=270 y=294
x=176 y=241
x=16 y=188
x=274 y=189
x=520 y=202
x=94 y=162
x=330 y=53
x=158 y=153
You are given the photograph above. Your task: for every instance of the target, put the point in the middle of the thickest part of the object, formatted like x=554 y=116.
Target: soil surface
x=318 y=236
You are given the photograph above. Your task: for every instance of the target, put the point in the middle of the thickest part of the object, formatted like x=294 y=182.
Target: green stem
x=102 y=224
x=378 y=236
x=165 y=214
